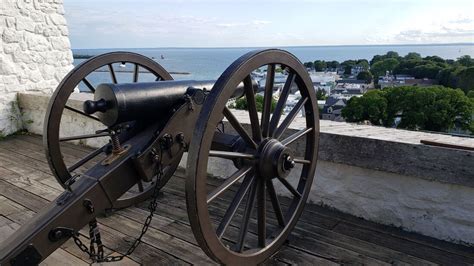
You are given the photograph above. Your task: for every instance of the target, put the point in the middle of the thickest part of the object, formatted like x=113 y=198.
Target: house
x=350 y=89
x=333 y=107
x=404 y=80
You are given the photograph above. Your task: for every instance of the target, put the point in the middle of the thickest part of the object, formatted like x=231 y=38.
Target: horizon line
x=284 y=46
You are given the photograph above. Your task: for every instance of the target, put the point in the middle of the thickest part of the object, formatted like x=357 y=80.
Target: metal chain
x=95 y=233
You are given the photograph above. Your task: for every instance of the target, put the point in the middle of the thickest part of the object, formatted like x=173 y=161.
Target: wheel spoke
x=230 y=155
x=252 y=106
x=301 y=161
x=289 y=118
x=267 y=99
x=281 y=103
x=140 y=185
x=238 y=127
x=246 y=218
x=135 y=73
x=290 y=187
x=227 y=183
x=275 y=203
x=81 y=113
x=112 y=74
x=87 y=136
x=262 y=213
x=87 y=158
x=295 y=136
x=234 y=205
x=89 y=85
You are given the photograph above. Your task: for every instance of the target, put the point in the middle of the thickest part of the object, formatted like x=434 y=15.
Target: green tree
x=321 y=94
x=412 y=56
x=379 y=68
x=320 y=65
x=465 y=79
x=390 y=54
x=309 y=65
x=332 y=64
x=435 y=108
x=363 y=63
x=435 y=58
x=466 y=61
x=365 y=75
x=372 y=107
x=242 y=104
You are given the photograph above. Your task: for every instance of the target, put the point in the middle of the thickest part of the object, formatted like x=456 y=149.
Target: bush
x=241 y=103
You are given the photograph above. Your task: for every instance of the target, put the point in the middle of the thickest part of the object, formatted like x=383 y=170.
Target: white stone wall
x=35 y=53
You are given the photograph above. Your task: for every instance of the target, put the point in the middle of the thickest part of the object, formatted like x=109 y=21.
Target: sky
x=276 y=23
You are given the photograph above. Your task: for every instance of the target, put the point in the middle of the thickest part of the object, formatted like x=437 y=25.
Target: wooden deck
x=322 y=236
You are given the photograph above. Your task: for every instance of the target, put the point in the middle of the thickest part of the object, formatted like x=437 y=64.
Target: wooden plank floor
x=321 y=237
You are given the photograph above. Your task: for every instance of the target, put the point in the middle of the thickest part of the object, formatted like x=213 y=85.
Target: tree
x=365 y=75
x=465 y=79
x=466 y=61
x=332 y=64
x=435 y=108
x=379 y=68
x=309 y=65
x=412 y=56
x=435 y=58
x=389 y=54
x=321 y=94
x=426 y=71
x=242 y=104
x=372 y=107
x=320 y=65
x=363 y=63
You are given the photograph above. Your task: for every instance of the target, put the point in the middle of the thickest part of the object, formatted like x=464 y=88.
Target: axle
x=118 y=103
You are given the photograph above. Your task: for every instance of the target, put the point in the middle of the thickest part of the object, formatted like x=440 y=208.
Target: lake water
x=209 y=63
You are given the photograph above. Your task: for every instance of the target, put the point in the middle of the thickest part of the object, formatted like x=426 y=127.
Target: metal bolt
x=288 y=163
x=58 y=234
x=89 y=206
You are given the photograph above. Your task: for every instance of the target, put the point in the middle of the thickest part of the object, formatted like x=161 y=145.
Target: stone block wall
x=35 y=53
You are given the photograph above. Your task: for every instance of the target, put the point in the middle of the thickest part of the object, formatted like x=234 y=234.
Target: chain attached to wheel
x=95 y=238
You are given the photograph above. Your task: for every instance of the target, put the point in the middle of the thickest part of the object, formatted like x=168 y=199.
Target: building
x=404 y=80
x=333 y=107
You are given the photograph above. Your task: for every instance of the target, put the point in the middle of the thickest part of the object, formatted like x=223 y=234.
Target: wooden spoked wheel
x=266 y=160
x=66 y=123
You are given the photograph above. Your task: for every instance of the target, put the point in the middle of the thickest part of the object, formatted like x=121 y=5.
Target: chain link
x=94 y=232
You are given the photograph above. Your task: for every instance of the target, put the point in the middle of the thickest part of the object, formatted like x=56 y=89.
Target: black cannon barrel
x=118 y=103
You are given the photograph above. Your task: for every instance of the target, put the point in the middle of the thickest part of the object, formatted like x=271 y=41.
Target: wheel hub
x=275 y=159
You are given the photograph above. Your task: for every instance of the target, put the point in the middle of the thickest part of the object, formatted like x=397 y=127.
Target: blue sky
x=236 y=23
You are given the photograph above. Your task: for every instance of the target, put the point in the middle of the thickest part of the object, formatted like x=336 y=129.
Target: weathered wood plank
x=321 y=232
x=145 y=254
x=408 y=247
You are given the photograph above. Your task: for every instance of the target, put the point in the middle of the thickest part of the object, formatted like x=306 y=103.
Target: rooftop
x=322 y=236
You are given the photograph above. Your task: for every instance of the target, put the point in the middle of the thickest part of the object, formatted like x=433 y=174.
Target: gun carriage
x=150 y=126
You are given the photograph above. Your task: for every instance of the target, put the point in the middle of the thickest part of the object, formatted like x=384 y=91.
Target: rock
x=23 y=23
x=10 y=36
x=60 y=43
x=6 y=66
x=57 y=19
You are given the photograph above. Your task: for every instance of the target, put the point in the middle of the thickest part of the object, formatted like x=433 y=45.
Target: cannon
x=149 y=127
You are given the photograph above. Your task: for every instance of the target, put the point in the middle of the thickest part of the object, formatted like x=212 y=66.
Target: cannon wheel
x=221 y=215
x=64 y=171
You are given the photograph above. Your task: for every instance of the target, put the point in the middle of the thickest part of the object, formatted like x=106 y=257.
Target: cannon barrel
x=118 y=103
